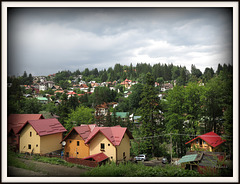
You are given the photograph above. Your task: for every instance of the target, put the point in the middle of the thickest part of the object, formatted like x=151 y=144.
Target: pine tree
x=150 y=115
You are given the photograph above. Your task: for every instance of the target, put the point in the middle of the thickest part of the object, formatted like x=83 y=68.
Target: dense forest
x=198 y=103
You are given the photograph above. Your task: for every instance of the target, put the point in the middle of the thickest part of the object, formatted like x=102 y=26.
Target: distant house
x=71 y=93
x=126 y=83
x=15 y=123
x=83 y=87
x=101 y=110
x=43 y=100
x=166 y=86
x=136 y=120
x=49 y=84
x=123 y=115
x=114 y=142
x=43 y=86
x=75 y=146
x=209 y=141
x=41 y=136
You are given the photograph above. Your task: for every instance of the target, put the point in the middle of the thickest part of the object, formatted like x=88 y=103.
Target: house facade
x=75 y=141
x=41 y=136
x=112 y=141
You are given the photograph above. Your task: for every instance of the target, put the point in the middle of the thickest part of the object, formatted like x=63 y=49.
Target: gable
x=73 y=135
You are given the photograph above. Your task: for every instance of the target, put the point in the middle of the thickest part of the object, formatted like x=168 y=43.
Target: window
x=123 y=154
x=108 y=144
x=111 y=157
x=70 y=141
x=36 y=145
x=29 y=146
x=200 y=141
x=30 y=134
x=102 y=146
x=77 y=153
x=77 y=143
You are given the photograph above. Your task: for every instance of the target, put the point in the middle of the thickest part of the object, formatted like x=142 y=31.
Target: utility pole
x=171 y=146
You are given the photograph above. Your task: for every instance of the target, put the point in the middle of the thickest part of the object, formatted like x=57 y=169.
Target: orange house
x=75 y=146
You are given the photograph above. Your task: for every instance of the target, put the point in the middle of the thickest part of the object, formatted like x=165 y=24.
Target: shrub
x=139 y=170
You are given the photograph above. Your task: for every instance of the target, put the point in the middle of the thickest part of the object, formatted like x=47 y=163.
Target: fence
x=82 y=162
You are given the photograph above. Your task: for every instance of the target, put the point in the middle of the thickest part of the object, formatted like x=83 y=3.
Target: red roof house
x=209 y=141
x=113 y=141
x=75 y=146
x=41 y=136
x=15 y=123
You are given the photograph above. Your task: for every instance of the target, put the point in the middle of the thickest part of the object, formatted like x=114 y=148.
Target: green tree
x=150 y=115
x=175 y=117
x=196 y=71
x=135 y=97
x=82 y=115
x=30 y=106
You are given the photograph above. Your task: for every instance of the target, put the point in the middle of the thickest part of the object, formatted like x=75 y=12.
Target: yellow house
x=207 y=142
x=41 y=136
x=75 y=141
x=114 y=142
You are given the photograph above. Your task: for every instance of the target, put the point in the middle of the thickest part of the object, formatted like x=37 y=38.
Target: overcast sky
x=43 y=41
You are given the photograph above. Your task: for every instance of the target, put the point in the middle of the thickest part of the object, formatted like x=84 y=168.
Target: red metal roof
x=45 y=126
x=211 y=138
x=113 y=134
x=16 y=121
x=83 y=131
x=97 y=157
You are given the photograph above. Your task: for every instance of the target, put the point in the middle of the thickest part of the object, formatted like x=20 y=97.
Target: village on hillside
x=153 y=120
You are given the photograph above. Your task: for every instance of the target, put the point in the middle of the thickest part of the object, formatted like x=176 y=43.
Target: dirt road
x=45 y=169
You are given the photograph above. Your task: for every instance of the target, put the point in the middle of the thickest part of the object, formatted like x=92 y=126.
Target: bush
x=139 y=170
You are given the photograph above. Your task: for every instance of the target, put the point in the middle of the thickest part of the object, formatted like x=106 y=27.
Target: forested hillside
x=197 y=103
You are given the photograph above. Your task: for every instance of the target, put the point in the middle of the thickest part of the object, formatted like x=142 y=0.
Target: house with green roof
x=42 y=99
x=123 y=115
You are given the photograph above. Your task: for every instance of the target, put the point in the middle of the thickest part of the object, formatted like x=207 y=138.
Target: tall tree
x=150 y=114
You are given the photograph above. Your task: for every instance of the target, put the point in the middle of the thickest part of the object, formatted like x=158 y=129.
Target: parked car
x=141 y=157
x=164 y=160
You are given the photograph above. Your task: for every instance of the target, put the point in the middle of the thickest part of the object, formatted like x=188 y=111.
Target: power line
x=179 y=134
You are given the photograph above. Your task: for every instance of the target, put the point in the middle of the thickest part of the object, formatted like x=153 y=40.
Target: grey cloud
x=48 y=40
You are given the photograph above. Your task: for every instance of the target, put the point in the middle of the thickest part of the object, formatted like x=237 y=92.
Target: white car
x=140 y=157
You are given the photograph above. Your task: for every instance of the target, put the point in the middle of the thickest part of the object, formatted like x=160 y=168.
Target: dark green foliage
x=101 y=95
x=135 y=97
x=150 y=115
x=196 y=71
x=138 y=170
